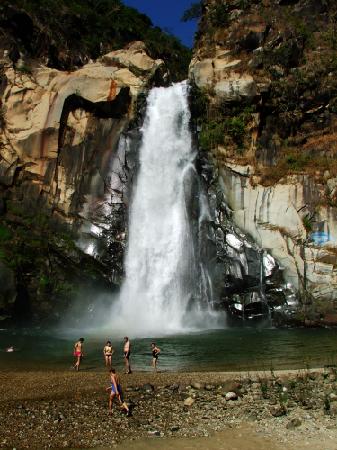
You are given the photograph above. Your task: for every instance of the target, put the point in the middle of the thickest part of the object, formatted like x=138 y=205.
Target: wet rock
x=175 y=428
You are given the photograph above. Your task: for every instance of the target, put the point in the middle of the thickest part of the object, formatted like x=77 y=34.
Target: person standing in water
x=107 y=352
x=155 y=353
x=78 y=353
x=127 y=351
x=116 y=391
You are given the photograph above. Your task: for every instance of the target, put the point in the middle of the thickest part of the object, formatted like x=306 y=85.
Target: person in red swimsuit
x=78 y=353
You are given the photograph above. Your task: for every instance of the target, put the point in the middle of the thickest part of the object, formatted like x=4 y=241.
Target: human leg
x=127 y=362
x=111 y=397
x=78 y=362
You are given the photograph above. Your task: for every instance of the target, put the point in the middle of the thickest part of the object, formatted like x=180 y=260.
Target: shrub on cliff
x=193 y=12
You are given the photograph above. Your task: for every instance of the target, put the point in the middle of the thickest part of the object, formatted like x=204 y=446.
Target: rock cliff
x=264 y=76
x=63 y=169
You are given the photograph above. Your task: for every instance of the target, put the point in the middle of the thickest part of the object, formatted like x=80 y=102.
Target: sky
x=167 y=14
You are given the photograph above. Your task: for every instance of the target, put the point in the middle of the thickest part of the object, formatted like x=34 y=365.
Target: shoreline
x=41 y=409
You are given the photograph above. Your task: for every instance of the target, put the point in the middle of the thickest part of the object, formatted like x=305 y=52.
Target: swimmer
x=127 y=352
x=78 y=353
x=107 y=352
x=155 y=352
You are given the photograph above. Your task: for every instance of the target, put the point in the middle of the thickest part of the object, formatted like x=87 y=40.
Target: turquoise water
x=218 y=350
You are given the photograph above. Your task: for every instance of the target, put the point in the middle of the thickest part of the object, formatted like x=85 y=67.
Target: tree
x=193 y=12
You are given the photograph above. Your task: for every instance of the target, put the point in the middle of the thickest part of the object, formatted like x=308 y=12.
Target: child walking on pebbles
x=116 y=391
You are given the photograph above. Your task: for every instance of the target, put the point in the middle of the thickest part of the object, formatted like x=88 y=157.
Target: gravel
x=69 y=410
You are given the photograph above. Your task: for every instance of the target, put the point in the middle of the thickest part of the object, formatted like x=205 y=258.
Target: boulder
x=219 y=74
x=293 y=423
x=189 y=401
x=148 y=388
x=333 y=396
x=134 y=58
x=202 y=72
x=231 y=396
x=278 y=411
x=197 y=385
x=236 y=87
x=231 y=386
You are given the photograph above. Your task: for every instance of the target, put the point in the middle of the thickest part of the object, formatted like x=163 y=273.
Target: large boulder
x=134 y=58
x=220 y=74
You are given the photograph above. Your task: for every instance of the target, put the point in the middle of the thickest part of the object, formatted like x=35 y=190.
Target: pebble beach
x=209 y=410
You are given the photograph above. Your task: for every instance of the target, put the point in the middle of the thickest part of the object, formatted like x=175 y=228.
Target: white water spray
x=162 y=268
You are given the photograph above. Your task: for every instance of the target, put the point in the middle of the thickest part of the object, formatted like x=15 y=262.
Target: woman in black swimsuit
x=155 y=353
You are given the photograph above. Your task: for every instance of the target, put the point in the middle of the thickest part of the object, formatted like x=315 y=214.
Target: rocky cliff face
x=265 y=91
x=63 y=169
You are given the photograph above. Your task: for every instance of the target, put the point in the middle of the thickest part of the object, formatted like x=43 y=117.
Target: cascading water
x=164 y=279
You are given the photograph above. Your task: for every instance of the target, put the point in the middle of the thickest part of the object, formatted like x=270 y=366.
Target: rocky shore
x=69 y=410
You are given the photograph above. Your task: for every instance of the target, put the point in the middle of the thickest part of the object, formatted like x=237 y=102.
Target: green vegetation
x=5 y=233
x=219 y=124
x=264 y=389
x=308 y=220
x=43 y=256
x=74 y=31
x=215 y=132
x=219 y=15
x=296 y=161
x=193 y=12
x=212 y=134
x=24 y=69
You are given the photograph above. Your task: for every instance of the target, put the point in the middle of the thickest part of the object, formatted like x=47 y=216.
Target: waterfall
x=163 y=273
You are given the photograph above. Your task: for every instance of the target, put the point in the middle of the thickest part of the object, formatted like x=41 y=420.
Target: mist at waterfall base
x=163 y=291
